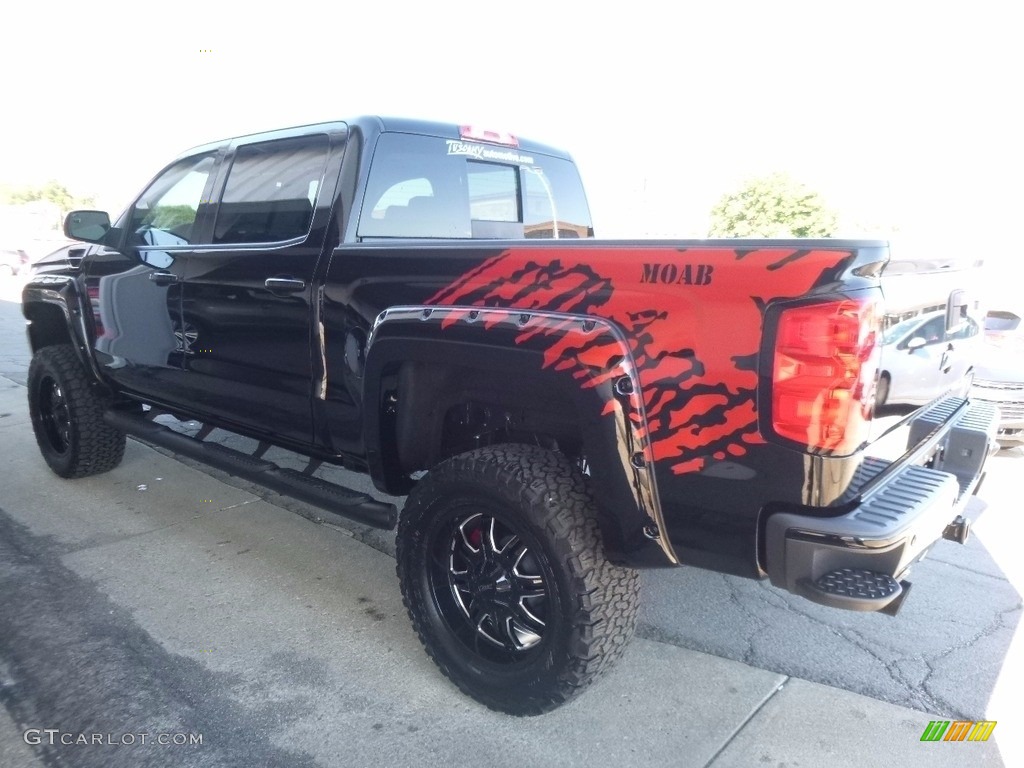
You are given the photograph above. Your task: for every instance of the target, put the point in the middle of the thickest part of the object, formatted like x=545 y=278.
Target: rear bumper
x=856 y=560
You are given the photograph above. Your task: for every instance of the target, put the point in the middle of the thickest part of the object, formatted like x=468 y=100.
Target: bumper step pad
x=855 y=589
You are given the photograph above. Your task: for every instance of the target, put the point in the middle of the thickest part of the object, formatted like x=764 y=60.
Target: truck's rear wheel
x=67 y=416
x=505 y=579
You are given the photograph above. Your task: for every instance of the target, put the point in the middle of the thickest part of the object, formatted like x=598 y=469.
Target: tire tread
x=96 y=447
x=606 y=596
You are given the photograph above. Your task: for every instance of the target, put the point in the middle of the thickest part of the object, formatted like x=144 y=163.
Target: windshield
x=1004 y=332
x=1002 y=322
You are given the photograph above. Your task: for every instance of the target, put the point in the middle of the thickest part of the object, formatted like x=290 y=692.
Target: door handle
x=284 y=284
x=946 y=364
x=163 y=278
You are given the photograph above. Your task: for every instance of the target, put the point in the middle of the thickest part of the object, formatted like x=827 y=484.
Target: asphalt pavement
x=167 y=600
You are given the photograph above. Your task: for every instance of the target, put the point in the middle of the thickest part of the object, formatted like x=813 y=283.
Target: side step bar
x=288 y=482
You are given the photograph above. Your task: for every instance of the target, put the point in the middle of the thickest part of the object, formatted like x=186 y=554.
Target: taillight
x=826 y=358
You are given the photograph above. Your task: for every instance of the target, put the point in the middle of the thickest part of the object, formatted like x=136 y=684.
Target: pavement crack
x=753 y=713
x=968 y=569
x=999 y=622
x=104 y=541
x=852 y=637
x=240 y=504
x=755 y=625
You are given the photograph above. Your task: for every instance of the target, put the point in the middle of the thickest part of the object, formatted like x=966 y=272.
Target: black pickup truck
x=426 y=304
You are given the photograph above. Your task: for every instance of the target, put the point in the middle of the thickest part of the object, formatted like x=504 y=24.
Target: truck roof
x=371 y=125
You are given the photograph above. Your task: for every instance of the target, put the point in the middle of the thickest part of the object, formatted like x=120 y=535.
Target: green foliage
x=772 y=206
x=52 y=192
x=168 y=217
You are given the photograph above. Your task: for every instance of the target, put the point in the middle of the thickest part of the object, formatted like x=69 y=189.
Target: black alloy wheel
x=67 y=405
x=489 y=586
x=504 y=575
x=54 y=415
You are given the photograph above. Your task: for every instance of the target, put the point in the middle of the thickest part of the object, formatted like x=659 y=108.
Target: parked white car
x=999 y=375
x=921 y=360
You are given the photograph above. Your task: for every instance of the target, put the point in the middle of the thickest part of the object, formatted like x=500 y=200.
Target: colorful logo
x=958 y=730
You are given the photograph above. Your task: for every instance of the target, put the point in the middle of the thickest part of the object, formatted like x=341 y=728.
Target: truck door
x=247 y=297
x=927 y=375
x=959 y=353
x=135 y=289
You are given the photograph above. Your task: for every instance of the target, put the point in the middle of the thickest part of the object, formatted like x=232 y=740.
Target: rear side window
x=271 y=191
x=427 y=187
x=415 y=190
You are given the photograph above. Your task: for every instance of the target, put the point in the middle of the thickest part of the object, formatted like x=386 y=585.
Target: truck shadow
x=944 y=654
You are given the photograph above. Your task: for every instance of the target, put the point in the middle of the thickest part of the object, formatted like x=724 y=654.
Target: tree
x=772 y=206
x=52 y=192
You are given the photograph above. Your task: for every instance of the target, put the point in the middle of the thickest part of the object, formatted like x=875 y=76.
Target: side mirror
x=916 y=343
x=90 y=226
x=956 y=311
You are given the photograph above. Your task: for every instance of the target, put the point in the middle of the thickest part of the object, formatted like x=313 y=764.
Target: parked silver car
x=999 y=374
x=12 y=260
x=922 y=360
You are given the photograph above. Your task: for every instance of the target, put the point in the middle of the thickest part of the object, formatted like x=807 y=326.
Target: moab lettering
x=673 y=274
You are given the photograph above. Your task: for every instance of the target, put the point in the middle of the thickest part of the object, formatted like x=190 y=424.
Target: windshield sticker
x=483 y=152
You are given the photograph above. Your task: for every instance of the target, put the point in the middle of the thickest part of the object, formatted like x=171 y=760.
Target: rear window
x=428 y=187
x=1002 y=321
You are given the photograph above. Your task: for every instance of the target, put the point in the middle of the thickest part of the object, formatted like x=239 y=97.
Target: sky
x=906 y=118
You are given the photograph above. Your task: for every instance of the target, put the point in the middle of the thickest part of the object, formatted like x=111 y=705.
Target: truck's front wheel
x=67 y=416
x=504 y=575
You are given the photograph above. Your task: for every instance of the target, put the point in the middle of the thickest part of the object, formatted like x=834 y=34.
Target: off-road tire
x=67 y=407
x=541 y=508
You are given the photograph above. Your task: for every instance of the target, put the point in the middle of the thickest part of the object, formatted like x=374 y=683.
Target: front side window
x=968 y=330
x=934 y=331
x=165 y=214
x=271 y=191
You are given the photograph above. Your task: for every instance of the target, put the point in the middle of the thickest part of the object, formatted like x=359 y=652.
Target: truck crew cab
x=426 y=303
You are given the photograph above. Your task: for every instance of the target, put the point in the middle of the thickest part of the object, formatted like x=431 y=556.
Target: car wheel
x=67 y=415
x=505 y=579
x=882 y=391
x=6 y=270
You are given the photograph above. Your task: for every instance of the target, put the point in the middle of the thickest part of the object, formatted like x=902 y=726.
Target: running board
x=329 y=497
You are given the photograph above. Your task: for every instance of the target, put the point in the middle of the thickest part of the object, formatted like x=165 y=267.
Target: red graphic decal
x=694 y=344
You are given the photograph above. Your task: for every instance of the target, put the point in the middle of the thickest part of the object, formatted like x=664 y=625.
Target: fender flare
x=588 y=356
x=63 y=293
